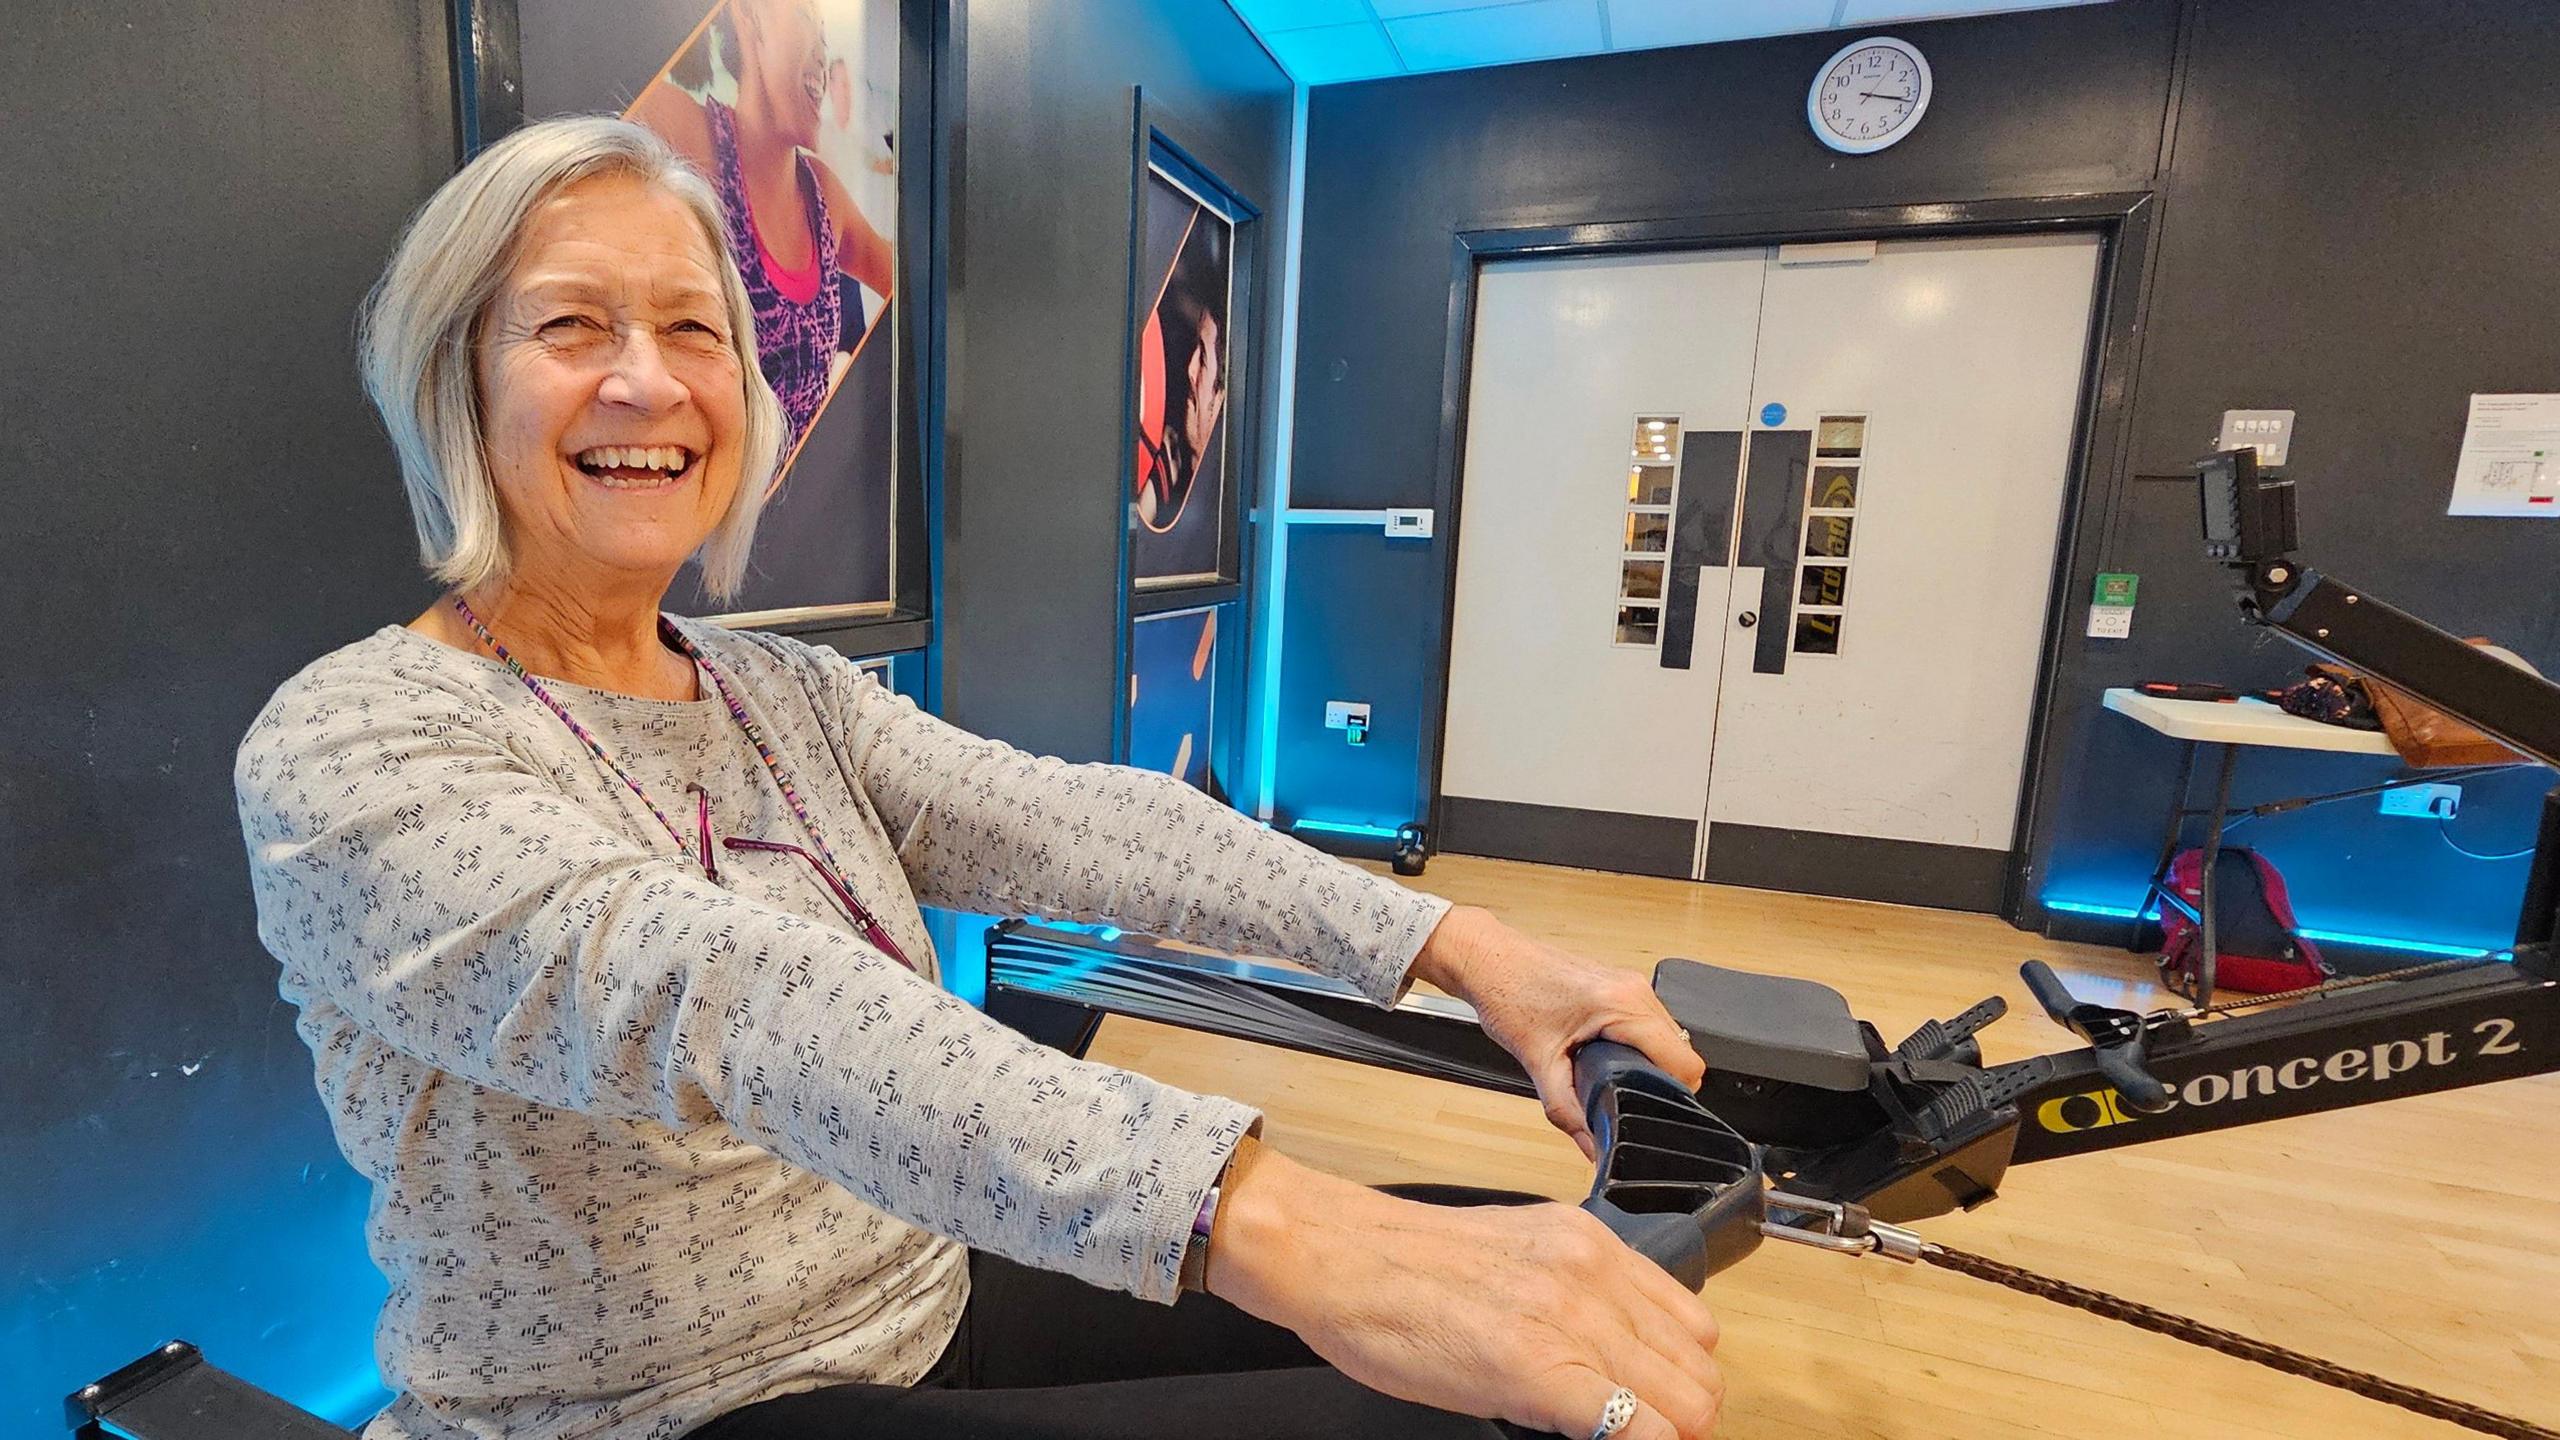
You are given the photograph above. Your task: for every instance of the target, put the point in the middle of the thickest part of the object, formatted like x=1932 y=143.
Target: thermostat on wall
x=1408 y=525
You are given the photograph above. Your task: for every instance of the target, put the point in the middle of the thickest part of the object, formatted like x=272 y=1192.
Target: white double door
x=1760 y=539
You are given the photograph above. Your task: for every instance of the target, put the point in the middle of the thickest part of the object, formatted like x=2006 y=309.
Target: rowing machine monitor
x=2248 y=516
x=2248 y=512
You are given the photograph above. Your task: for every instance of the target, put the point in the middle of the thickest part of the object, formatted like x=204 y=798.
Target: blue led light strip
x=1272 y=609
x=2335 y=937
x=1344 y=827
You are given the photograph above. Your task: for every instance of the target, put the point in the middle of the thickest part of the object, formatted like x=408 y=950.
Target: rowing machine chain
x=2326 y=987
x=2229 y=1342
x=1847 y=1229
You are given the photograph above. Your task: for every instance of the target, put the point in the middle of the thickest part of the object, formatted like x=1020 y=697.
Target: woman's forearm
x=985 y=827
x=1453 y=945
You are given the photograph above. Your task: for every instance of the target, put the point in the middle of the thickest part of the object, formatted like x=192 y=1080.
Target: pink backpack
x=2261 y=951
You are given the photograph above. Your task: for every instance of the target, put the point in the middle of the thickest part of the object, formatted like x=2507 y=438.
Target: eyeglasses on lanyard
x=860 y=914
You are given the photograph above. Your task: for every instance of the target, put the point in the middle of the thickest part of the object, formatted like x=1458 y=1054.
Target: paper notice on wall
x=2510 y=461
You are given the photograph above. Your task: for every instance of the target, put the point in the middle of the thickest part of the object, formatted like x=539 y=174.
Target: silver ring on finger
x=1617 y=1415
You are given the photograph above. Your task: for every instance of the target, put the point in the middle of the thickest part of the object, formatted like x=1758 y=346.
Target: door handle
x=1747 y=619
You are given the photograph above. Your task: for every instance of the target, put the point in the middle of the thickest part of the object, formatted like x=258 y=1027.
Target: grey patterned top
x=645 y=1148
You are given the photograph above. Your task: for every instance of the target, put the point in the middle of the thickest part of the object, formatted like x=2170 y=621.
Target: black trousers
x=1040 y=1356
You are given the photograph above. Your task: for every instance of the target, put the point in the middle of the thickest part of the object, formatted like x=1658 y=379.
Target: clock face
x=1869 y=96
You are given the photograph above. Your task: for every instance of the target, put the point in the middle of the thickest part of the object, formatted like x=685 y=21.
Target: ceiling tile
x=1876 y=12
x=1272 y=16
x=1335 y=52
x=1534 y=30
x=1325 y=41
x=1645 y=24
x=1402 y=9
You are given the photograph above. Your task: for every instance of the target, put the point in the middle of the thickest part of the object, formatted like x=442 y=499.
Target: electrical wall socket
x=1351 y=717
x=2423 y=802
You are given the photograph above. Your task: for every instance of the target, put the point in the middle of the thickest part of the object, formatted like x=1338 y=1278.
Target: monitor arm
x=2249 y=525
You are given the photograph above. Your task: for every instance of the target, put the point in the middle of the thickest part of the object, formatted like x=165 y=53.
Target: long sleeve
x=982 y=826
x=417 y=871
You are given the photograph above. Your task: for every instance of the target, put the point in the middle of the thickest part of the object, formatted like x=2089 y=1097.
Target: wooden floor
x=2419 y=1239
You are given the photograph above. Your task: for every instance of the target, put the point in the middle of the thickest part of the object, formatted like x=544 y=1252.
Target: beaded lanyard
x=872 y=929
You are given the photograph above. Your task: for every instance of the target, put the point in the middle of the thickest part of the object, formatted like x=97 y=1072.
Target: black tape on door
x=1773 y=480
x=1701 y=533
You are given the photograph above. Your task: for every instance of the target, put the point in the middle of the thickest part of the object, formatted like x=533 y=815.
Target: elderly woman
x=603 y=928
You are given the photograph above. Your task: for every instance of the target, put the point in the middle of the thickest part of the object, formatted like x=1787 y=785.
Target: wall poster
x=791 y=109
x=2510 y=462
x=1181 y=487
x=1173 y=685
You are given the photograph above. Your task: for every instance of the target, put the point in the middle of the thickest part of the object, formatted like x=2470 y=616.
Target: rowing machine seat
x=1771 y=1026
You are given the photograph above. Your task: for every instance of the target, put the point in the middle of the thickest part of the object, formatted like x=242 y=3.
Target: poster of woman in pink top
x=790 y=109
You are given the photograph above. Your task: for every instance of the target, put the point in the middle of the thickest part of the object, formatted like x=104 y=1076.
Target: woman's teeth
x=635 y=467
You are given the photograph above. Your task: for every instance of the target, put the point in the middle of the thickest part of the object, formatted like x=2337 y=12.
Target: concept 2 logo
x=2369 y=1064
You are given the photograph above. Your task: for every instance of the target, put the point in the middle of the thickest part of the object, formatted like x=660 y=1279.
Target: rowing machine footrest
x=1952 y=1039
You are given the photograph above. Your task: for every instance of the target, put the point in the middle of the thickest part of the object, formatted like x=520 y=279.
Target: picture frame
x=1175 y=674
x=1194 y=338
x=844 y=547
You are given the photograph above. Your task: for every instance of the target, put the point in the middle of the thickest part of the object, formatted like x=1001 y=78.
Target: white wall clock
x=1869 y=96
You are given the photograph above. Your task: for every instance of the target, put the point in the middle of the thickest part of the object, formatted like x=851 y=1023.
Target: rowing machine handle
x=1600 y=1064
x=1672 y=1241
x=1690 y=1244
x=2115 y=1038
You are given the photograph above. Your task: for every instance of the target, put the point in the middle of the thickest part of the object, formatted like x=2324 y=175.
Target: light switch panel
x=2269 y=432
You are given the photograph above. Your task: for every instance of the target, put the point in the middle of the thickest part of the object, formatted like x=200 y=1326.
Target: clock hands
x=1871 y=95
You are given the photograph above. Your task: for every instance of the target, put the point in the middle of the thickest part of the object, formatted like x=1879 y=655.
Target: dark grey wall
x=199 y=502
x=1395 y=168
x=2345 y=227
x=1034 y=506
x=2348 y=231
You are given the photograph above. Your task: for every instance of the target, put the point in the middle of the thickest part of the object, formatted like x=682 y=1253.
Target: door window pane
x=1639 y=624
x=1822 y=581
x=1653 y=488
x=1818 y=634
x=1827 y=536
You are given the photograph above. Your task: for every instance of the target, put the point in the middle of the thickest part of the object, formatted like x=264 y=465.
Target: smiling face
x=613 y=400
x=782 y=69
